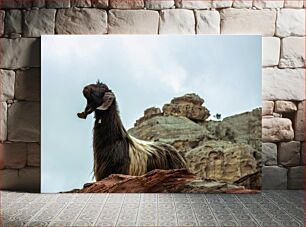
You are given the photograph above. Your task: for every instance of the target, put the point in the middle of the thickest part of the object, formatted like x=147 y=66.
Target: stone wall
x=281 y=22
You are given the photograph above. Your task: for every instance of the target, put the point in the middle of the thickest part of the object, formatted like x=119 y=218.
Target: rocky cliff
x=227 y=151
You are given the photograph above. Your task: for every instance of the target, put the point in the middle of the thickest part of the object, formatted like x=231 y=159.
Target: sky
x=143 y=71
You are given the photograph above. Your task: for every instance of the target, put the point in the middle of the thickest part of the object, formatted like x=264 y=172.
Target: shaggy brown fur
x=115 y=151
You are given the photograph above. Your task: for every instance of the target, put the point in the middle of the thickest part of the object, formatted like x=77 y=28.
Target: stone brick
x=27 y=86
x=274 y=177
x=242 y=4
x=159 y=4
x=13 y=155
x=248 y=21
x=270 y=51
x=13 y=21
x=221 y=3
x=289 y=153
x=191 y=4
x=33 y=158
x=20 y=53
x=269 y=154
x=290 y=22
x=299 y=122
x=262 y=4
x=303 y=160
x=285 y=106
x=16 y=4
x=277 y=129
x=126 y=4
x=133 y=22
x=3 y=121
x=283 y=84
x=208 y=22
x=39 y=22
x=39 y=3
x=25 y=180
x=100 y=3
x=2 y=15
x=56 y=4
x=296 y=178
x=293 y=4
x=267 y=108
x=7 y=84
x=81 y=21
x=177 y=21
x=80 y=3
x=24 y=122
x=293 y=52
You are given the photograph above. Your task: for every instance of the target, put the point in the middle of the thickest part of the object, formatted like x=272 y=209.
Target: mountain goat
x=114 y=150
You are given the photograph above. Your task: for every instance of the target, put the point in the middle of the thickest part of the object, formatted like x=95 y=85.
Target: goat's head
x=98 y=96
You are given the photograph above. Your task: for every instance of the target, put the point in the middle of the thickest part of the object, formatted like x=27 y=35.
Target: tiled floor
x=269 y=208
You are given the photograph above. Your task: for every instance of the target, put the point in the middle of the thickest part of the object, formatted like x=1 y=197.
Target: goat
x=114 y=150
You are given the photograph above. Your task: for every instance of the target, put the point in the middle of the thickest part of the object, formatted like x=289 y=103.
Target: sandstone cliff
x=227 y=151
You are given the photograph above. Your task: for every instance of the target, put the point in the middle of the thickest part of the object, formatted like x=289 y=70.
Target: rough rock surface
x=140 y=22
x=180 y=132
x=2 y=15
x=13 y=21
x=221 y=3
x=39 y=22
x=3 y=121
x=248 y=21
x=25 y=180
x=55 y=4
x=290 y=22
x=262 y=4
x=189 y=105
x=270 y=51
x=242 y=4
x=13 y=155
x=7 y=82
x=159 y=4
x=191 y=4
x=299 y=122
x=289 y=153
x=293 y=52
x=277 y=129
x=178 y=21
x=20 y=53
x=285 y=106
x=126 y=4
x=103 y=4
x=148 y=113
x=80 y=3
x=283 y=84
x=217 y=160
x=33 y=157
x=27 y=86
x=208 y=22
x=296 y=177
x=274 y=177
x=269 y=154
x=24 y=122
x=267 y=107
x=81 y=21
x=177 y=180
x=293 y=4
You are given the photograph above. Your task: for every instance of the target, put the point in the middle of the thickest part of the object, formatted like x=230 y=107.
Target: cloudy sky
x=143 y=71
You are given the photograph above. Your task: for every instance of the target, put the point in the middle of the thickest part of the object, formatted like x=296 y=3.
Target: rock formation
x=227 y=151
x=179 y=180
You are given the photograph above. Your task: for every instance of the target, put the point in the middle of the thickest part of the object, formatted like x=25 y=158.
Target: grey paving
x=269 y=208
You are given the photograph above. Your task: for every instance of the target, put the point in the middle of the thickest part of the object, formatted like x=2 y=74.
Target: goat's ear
x=108 y=99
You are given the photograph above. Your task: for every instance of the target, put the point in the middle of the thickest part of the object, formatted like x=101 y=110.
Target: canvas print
x=142 y=113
